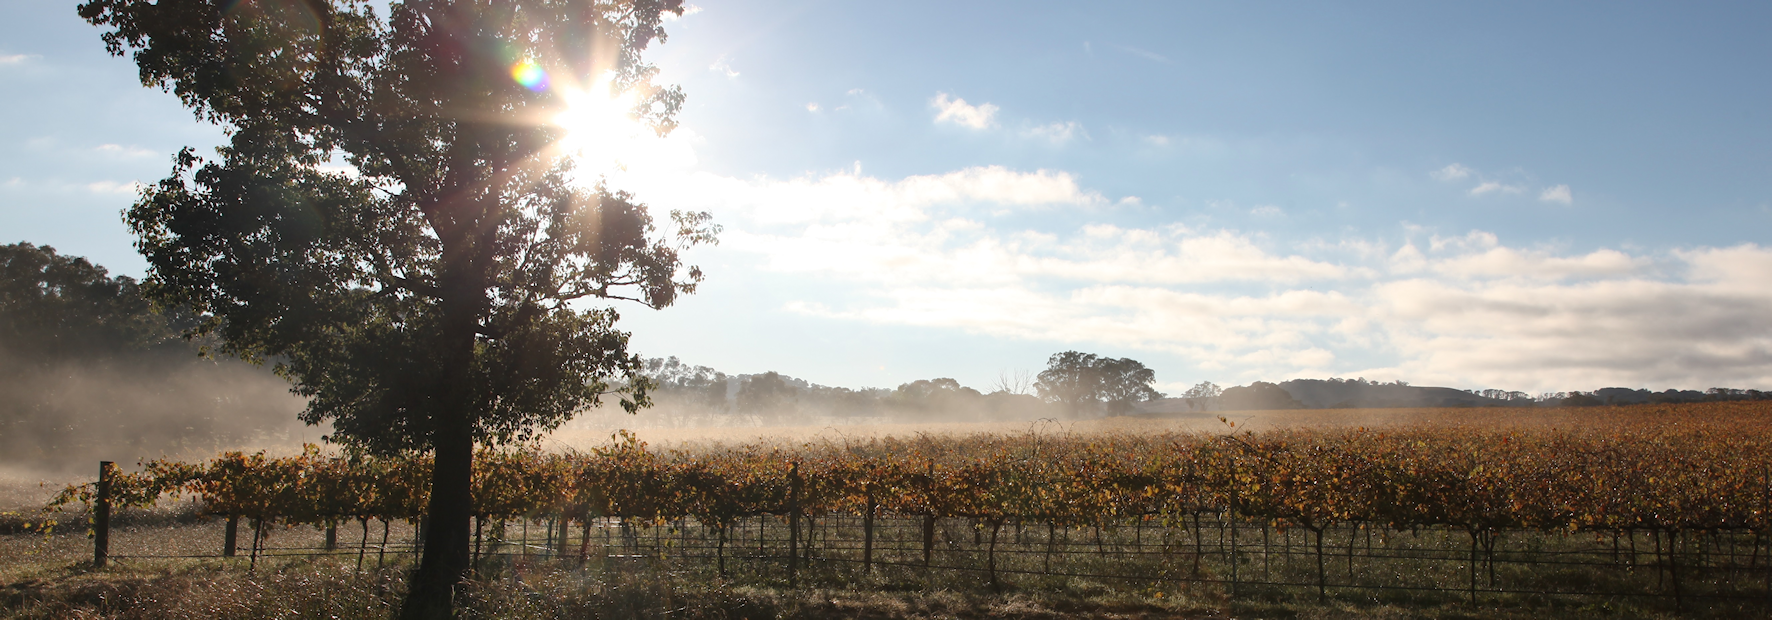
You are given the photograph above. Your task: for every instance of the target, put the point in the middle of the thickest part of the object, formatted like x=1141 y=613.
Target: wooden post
x=793 y=523
x=867 y=529
x=101 y=517
x=928 y=538
x=231 y=537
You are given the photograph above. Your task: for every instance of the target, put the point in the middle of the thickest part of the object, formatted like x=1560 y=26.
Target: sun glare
x=603 y=138
x=601 y=134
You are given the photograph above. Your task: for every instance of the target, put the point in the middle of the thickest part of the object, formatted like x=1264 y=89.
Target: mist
x=688 y=396
x=61 y=417
x=91 y=370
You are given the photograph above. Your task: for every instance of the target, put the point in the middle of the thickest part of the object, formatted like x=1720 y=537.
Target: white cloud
x=125 y=151
x=956 y=110
x=812 y=107
x=1503 y=262
x=1266 y=211
x=1157 y=140
x=1058 y=133
x=723 y=67
x=16 y=59
x=113 y=187
x=1142 y=53
x=1467 y=311
x=1559 y=193
x=947 y=251
x=1452 y=172
x=1487 y=187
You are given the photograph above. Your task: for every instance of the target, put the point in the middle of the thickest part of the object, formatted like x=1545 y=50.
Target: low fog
x=688 y=396
x=64 y=416
x=89 y=371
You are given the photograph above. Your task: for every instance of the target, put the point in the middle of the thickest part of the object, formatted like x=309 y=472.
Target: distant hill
x=1356 y=394
x=1362 y=394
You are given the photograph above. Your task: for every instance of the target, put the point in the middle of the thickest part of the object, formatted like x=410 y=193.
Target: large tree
x=446 y=288
x=1084 y=381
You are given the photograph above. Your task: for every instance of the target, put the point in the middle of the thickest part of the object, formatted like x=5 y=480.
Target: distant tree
x=1205 y=389
x=439 y=295
x=1124 y=383
x=766 y=393
x=1070 y=378
x=1259 y=395
x=699 y=386
x=1083 y=381
x=58 y=307
x=1579 y=399
x=1504 y=395
x=1019 y=382
x=1202 y=395
x=923 y=389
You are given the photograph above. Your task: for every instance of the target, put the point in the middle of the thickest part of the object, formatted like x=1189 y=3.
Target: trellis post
x=101 y=517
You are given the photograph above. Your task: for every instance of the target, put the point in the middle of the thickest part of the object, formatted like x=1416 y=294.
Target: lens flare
x=530 y=75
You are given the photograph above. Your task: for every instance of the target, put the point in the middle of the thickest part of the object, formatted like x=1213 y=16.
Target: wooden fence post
x=867 y=528
x=101 y=517
x=231 y=537
x=793 y=524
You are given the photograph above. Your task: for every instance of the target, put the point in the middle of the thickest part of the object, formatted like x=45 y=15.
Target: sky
x=1514 y=195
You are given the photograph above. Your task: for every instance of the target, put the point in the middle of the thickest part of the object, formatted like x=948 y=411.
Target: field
x=1599 y=512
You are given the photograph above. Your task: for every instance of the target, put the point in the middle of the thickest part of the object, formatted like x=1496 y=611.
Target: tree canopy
x=1087 y=381
x=394 y=222
x=55 y=307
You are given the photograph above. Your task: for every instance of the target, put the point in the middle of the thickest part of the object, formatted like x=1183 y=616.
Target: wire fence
x=1234 y=557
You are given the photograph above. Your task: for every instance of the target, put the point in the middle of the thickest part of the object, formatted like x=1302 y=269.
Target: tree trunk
x=362 y=545
x=479 y=524
x=258 y=530
x=720 y=550
x=445 y=558
x=381 y=552
x=462 y=292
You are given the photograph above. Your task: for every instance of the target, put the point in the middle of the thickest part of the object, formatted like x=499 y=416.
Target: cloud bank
x=977 y=250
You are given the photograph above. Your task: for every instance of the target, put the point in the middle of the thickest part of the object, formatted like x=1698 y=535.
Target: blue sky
x=1523 y=196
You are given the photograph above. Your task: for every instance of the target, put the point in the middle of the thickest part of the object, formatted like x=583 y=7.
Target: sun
x=602 y=135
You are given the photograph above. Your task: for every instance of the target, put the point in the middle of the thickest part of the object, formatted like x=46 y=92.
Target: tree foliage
x=55 y=307
x=1087 y=381
x=765 y=393
x=434 y=296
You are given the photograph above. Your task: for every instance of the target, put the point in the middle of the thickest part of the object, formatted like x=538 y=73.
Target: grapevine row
x=1647 y=477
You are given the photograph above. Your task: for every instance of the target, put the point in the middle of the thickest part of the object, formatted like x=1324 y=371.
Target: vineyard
x=1667 y=502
